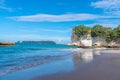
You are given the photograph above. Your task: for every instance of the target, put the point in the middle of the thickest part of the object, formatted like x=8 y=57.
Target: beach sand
x=104 y=67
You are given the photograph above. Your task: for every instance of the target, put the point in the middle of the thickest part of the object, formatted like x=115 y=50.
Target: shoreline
x=88 y=47
x=105 y=67
x=83 y=64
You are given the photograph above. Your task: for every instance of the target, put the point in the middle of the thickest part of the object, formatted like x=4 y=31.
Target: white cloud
x=4 y=7
x=46 y=30
x=58 y=18
x=111 y=7
x=107 y=4
x=106 y=22
x=112 y=25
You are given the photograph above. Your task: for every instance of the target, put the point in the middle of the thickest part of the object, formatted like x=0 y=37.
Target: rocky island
x=38 y=42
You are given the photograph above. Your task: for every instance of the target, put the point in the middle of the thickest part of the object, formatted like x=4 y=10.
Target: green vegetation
x=81 y=30
x=117 y=32
x=98 y=31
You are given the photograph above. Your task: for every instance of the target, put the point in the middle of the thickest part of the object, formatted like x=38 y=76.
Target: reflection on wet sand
x=96 y=64
x=86 y=56
x=97 y=52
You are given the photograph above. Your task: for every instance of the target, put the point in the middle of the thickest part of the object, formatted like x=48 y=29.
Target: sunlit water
x=21 y=56
x=40 y=59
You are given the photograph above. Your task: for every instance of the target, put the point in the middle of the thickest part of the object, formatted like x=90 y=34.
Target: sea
x=21 y=57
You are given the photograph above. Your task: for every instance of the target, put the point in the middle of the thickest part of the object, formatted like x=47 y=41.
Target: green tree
x=98 y=31
x=117 y=32
x=81 y=30
x=109 y=34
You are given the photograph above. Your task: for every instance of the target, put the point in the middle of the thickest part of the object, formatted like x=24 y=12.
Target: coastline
x=60 y=40
x=82 y=64
x=106 y=67
x=88 y=47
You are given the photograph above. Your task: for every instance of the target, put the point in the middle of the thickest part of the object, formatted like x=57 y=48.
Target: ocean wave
x=23 y=57
x=74 y=50
x=37 y=49
x=33 y=61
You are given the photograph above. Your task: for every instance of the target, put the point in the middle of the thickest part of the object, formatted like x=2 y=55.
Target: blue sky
x=53 y=19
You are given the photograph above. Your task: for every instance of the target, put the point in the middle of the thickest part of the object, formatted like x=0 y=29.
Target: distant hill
x=38 y=42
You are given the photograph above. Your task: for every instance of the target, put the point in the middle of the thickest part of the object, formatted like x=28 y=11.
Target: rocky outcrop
x=74 y=38
x=85 y=40
x=88 y=41
x=99 y=41
x=98 y=36
x=6 y=43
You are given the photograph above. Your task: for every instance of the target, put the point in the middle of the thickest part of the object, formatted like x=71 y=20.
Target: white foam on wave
x=74 y=50
x=47 y=59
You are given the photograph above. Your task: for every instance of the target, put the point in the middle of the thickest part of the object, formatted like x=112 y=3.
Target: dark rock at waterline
x=6 y=43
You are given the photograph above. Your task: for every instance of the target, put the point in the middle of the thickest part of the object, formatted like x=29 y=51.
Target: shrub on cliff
x=98 y=31
x=81 y=30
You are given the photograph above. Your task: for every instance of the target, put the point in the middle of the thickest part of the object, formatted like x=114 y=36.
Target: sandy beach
x=59 y=39
x=78 y=64
x=105 y=66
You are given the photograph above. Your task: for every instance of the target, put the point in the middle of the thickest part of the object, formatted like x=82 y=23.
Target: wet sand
x=104 y=67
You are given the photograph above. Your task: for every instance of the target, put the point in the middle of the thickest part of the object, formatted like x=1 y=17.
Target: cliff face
x=74 y=38
x=117 y=42
x=84 y=40
x=98 y=41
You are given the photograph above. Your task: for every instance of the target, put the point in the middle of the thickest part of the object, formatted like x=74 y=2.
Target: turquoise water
x=23 y=56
